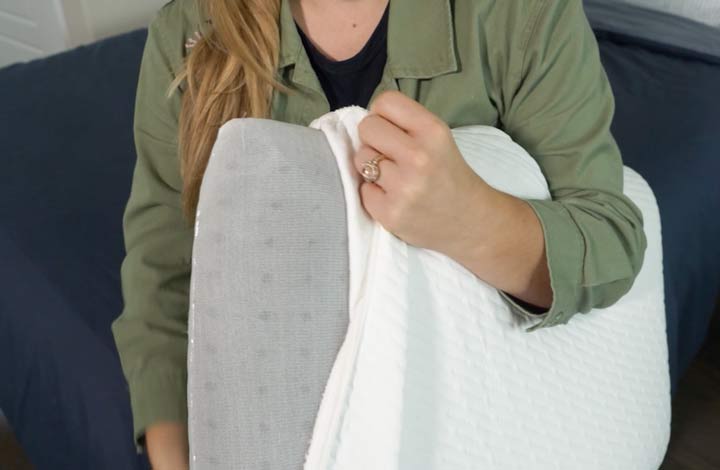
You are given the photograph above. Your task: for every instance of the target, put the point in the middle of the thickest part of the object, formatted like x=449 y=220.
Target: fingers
x=386 y=138
x=404 y=112
x=373 y=200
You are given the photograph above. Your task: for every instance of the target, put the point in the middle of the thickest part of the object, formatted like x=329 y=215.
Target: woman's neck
x=338 y=28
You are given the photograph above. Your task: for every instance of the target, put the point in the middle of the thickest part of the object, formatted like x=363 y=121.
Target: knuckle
x=410 y=193
x=439 y=130
x=384 y=100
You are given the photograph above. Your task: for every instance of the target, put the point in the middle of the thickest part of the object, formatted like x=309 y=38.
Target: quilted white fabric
x=437 y=373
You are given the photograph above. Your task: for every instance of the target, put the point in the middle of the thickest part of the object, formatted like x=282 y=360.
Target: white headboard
x=30 y=29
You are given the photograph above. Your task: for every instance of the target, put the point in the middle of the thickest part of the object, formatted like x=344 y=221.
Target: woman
x=530 y=67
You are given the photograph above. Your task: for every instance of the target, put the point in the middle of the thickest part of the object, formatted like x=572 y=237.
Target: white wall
x=89 y=20
x=34 y=28
x=29 y=29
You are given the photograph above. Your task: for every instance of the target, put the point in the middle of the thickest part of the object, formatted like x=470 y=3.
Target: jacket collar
x=420 y=39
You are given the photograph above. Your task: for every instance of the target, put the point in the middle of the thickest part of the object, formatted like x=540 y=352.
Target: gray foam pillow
x=269 y=293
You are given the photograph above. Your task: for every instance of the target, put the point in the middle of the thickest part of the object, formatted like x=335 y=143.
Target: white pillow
x=436 y=371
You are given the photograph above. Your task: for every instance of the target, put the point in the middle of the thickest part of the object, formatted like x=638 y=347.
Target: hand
x=167 y=446
x=426 y=187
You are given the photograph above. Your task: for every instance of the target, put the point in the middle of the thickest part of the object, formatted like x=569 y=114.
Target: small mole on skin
x=354 y=25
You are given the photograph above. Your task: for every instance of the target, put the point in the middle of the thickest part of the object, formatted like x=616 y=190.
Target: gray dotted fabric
x=269 y=293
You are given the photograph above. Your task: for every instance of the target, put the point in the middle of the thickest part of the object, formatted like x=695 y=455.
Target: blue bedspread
x=665 y=74
x=67 y=158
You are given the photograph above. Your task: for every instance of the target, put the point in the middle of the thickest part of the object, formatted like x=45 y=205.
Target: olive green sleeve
x=151 y=332
x=559 y=107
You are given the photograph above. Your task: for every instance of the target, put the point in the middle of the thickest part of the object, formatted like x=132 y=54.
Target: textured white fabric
x=436 y=372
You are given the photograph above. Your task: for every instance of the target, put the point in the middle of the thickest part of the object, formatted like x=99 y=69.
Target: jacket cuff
x=564 y=249
x=156 y=397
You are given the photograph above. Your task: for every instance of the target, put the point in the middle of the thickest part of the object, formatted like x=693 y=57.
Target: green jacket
x=529 y=67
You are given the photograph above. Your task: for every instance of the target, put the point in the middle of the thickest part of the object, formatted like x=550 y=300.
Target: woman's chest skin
x=338 y=29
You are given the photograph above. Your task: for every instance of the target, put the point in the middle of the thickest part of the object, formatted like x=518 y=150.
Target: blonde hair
x=230 y=72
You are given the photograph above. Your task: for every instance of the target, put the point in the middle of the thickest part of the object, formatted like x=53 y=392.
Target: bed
x=665 y=74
